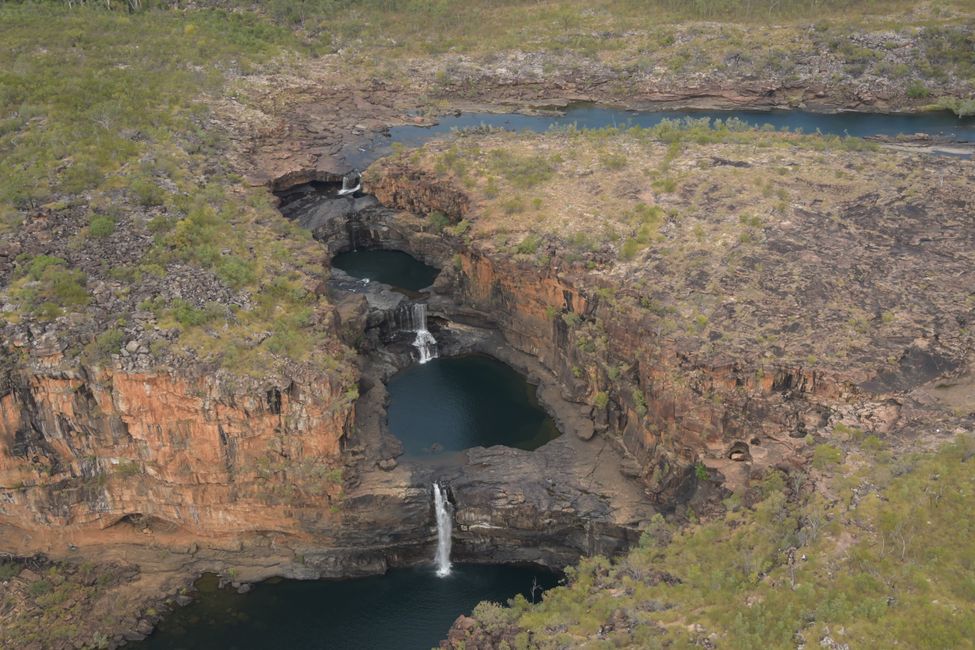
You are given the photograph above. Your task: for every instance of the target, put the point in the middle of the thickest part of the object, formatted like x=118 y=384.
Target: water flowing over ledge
x=424 y=343
x=445 y=525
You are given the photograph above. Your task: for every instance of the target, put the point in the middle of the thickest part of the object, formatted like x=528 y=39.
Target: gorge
x=526 y=339
x=672 y=479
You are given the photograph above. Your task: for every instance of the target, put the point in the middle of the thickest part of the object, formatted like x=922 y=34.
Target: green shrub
x=460 y=228
x=529 y=245
x=67 y=286
x=160 y=224
x=826 y=456
x=630 y=248
x=665 y=185
x=639 y=401
x=960 y=107
x=40 y=263
x=40 y=587
x=54 y=288
x=147 y=192
x=614 y=161
x=189 y=316
x=917 y=90
x=101 y=226
x=513 y=205
x=106 y=344
x=700 y=471
x=9 y=570
x=601 y=400
x=236 y=271
x=47 y=311
x=872 y=443
x=438 y=220
x=128 y=468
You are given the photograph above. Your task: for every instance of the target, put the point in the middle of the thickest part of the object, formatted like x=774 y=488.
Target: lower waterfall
x=445 y=525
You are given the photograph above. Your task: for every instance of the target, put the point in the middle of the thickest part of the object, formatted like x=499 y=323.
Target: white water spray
x=445 y=524
x=424 y=342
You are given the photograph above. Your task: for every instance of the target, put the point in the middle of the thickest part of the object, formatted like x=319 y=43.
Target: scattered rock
x=585 y=429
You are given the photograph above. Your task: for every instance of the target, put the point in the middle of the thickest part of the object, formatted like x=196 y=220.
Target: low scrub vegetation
x=886 y=564
x=47 y=287
x=54 y=605
x=106 y=114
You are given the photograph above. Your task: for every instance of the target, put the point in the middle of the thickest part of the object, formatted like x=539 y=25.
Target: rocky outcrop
x=413 y=190
x=536 y=507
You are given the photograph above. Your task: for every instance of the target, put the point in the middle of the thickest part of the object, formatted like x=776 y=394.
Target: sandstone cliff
x=84 y=448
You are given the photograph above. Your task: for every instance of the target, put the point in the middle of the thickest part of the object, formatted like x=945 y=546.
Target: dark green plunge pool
x=461 y=402
x=394 y=268
x=406 y=609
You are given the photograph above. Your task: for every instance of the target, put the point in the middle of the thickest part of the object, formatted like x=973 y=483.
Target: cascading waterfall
x=351 y=183
x=424 y=342
x=445 y=525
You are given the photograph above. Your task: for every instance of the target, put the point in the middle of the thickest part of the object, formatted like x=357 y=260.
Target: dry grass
x=605 y=185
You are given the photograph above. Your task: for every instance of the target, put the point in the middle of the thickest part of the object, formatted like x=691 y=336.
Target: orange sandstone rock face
x=84 y=452
x=670 y=407
x=419 y=192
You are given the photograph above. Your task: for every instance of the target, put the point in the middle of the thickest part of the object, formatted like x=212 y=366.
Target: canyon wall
x=669 y=409
x=83 y=449
x=677 y=410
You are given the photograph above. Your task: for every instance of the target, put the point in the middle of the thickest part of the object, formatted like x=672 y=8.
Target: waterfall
x=424 y=342
x=351 y=183
x=412 y=317
x=445 y=524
